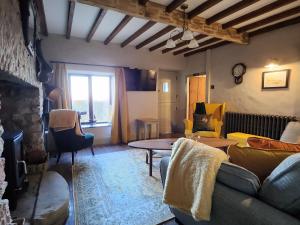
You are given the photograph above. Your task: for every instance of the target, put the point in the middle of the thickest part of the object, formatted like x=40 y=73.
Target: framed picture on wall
x=275 y=79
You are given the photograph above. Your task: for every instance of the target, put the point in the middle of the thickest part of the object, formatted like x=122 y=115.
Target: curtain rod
x=84 y=64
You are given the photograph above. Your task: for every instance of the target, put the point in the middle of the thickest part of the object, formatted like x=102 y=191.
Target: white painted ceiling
x=57 y=10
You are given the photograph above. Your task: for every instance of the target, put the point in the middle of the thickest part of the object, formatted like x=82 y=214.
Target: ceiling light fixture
x=187 y=34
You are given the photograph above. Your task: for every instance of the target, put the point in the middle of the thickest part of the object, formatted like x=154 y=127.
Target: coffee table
x=166 y=144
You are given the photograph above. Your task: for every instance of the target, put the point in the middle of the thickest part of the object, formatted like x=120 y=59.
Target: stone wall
x=14 y=57
x=5 y=217
x=20 y=92
x=22 y=105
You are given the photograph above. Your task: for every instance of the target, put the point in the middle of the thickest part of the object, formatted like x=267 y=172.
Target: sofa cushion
x=238 y=178
x=291 y=133
x=260 y=162
x=262 y=143
x=241 y=138
x=281 y=188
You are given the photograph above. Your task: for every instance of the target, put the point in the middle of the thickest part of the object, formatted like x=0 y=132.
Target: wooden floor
x=65 y=169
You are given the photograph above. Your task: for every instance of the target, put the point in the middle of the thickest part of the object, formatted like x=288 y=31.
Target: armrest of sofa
x=231 y=175
x=164 y=163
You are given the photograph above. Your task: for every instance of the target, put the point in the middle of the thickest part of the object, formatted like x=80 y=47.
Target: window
x=165 y=87
x=92 y=96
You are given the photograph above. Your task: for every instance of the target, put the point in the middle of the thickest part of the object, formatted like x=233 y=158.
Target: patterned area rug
x=115 y=189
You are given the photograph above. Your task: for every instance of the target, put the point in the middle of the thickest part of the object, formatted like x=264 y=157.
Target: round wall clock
x=238 y=70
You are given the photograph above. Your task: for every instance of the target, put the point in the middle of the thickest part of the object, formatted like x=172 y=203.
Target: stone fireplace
x=21 y=110
x=21 y=94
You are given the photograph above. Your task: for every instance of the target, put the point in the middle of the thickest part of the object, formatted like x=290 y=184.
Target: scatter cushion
x=281 y=188
x=238 y=178
x=291 y=133
x=259 y=161
x=201 y=122
x=272 y=144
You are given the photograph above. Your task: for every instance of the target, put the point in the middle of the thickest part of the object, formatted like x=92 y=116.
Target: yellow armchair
x=217 y=111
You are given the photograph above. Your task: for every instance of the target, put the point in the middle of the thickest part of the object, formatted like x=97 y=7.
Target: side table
x=146 y=123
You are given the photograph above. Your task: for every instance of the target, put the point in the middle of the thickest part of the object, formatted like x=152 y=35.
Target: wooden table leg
x=145 y=131
x=150 y=161
x=137 y=130
x=147 y=158
x=157 y=130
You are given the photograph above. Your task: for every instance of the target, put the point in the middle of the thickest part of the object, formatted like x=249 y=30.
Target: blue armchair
x=69 y=141
x=239 y=198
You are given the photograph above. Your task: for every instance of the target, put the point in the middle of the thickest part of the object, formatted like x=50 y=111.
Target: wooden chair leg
x=58 y=157
x=92 y=149
x=72 y=158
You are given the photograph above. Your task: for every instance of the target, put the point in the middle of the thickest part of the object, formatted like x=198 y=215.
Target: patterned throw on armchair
x=217 y=111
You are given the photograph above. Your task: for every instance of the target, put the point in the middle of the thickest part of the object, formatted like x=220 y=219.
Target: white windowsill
x=95 y=125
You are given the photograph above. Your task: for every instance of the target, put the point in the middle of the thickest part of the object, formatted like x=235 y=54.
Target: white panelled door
x=167 y=98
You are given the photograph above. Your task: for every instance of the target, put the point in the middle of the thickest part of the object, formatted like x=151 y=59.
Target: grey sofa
x=239 y=198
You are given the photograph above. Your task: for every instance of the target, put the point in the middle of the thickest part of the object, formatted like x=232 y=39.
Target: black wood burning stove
x=15 y=166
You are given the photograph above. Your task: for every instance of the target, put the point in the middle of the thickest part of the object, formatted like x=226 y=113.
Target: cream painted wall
x=141 y=104
x=283 y=44
x=57 y=47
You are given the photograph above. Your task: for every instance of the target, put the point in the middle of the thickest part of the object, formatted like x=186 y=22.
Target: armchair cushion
x=281 y=188
x=238 y=178
x=207 y=134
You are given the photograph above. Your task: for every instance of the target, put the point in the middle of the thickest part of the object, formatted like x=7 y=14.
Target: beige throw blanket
x=191 y=177
x=63 y=119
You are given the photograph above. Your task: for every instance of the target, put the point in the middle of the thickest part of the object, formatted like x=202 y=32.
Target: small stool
x=145 y=123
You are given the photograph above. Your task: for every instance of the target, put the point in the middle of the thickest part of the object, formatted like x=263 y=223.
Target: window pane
x=101 y=98
x=165 y=87
x=80 y=96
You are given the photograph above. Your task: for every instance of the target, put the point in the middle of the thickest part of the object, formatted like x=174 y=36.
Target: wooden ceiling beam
x=270 y=19
x=258 y=12
x=219 y=44
x=156 y=12
x=203 y=7
x=71 y=10
x=232 y=9
x=174 y=5
x=96 y=24
x=209 y=41
x=42 y=17
x=143 y=2
x=275 y=26
x=139 y=32
x=121 y=25
x=164 y=31
x=263 y=30
x=183 y=43
x=162 y=44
